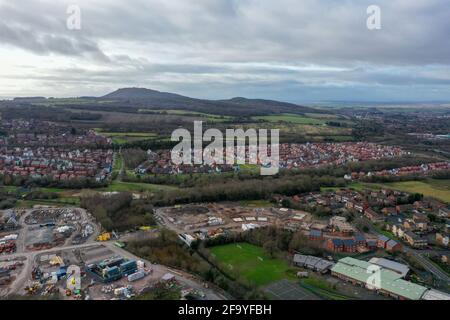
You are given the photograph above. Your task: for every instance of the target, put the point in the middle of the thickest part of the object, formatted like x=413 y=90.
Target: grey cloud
x=283 y=47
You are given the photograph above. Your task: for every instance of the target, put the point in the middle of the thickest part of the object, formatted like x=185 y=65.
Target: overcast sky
x=293 y=50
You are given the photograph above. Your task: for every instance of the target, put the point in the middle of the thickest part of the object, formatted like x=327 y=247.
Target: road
x=418 y=254
x=428 y=265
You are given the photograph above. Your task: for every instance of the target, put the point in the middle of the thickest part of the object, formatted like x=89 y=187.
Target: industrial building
x=313 y=263
x=112 y=269
x=400 y=268
x=382 y=280
x=435 y=295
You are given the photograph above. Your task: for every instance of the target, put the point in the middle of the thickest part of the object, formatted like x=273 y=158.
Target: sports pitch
x=251 y=263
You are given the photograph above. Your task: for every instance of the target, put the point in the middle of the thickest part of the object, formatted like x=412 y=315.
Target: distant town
x=92 y=206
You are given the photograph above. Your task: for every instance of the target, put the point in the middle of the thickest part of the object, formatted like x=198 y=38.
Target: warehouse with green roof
x=377 y=278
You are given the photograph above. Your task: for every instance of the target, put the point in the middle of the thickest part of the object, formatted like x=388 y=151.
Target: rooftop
x=391 y=265
x=435 y=295
x=390 y=281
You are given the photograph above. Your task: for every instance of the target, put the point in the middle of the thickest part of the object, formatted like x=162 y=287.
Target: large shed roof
x=389 y=281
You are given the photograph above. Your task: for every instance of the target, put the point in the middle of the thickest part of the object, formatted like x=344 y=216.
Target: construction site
x=62 y=253
x=9 y=271
x=9 y=230
x=82 y=273
x=48 y=227
x=99 y=272
x=209 y=219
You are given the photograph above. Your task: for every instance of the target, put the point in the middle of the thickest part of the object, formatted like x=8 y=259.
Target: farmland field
x=436 y=188
x=251 y=263
x=207 y=116
x=125 y=137
x=312 y=131
x=439 y=189
x=322 y=115
x=292 y=118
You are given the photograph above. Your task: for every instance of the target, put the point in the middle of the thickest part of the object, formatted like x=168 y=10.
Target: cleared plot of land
x=286 y=290
x=252 y=263
x=436 y=188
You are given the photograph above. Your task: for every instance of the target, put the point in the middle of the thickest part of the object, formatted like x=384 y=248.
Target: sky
x=290 y=50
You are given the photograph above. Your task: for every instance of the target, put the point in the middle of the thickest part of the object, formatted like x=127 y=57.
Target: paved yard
x=286 y=290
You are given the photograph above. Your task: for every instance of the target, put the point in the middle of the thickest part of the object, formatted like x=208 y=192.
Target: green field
x=207 y=116
x=328 y=116
x=309 y=130
x=252 y=263
x=249 y=168
x=126 y=137
x=52 y=202
x=322 y=289
x=435 y=188
x=256 y=203
x=292 y=118
x=120 y=186
x=118 y=162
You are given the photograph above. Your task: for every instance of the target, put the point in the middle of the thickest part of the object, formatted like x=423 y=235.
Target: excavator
x=33 y=288
x=105 y=236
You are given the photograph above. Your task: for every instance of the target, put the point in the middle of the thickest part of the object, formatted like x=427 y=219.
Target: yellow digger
x=105 y=236
x=33 y=288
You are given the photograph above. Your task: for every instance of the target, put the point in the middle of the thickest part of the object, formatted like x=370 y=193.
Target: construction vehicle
x=119 y=244
x=105 y=236
x=36 y=273
x=33 y=288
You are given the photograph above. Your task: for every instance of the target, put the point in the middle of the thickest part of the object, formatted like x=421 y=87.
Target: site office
x=236 y=150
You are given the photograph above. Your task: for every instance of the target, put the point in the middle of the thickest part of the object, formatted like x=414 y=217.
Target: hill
x=153 y=99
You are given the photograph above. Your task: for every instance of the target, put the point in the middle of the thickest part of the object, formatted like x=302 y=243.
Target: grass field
x=256 y=203
x=52 y=202
x=249 y=168
x=439 y=189
x=292 y=118
x=118 y=162
x=321 y=116
x=436 y=188
x=252 y=263
x=120 y=186
x=125 y=137
x=322 y=289
x=207 y=116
